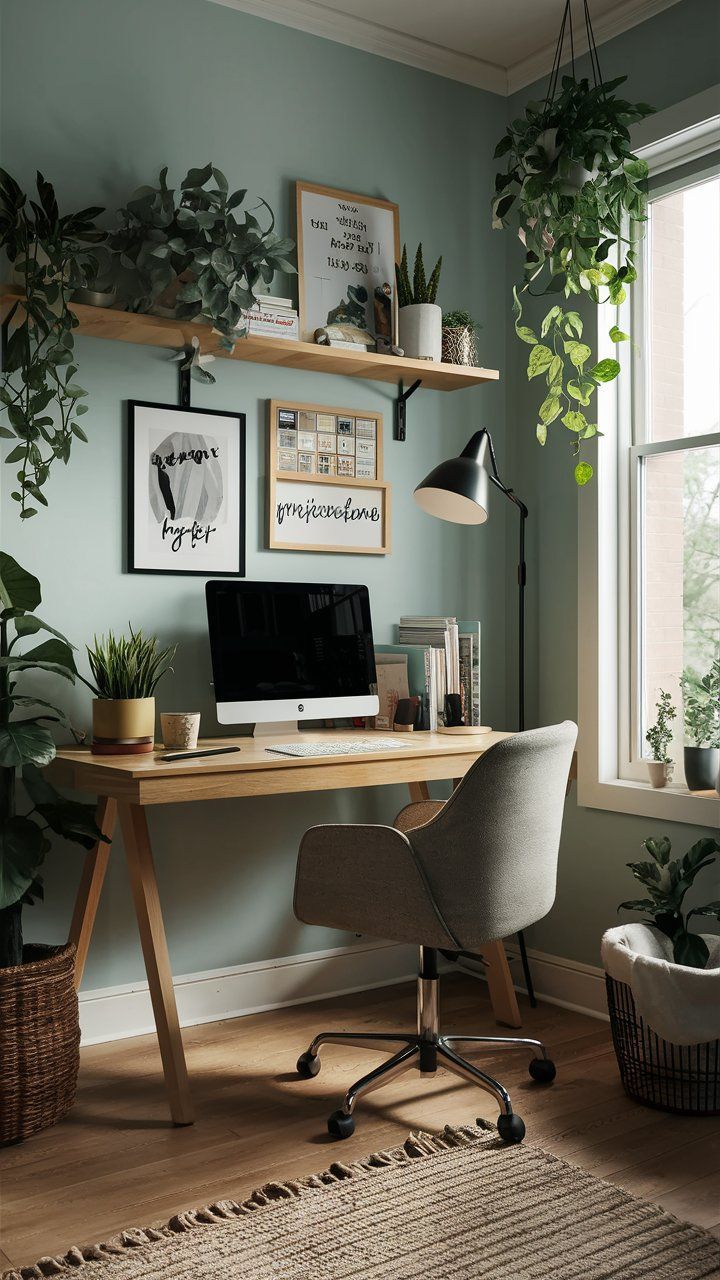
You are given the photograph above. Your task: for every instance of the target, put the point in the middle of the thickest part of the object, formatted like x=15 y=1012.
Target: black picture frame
x=132 y=566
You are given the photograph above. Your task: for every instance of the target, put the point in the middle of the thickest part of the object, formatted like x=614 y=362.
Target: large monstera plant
x=577 y=193
x=26 y=746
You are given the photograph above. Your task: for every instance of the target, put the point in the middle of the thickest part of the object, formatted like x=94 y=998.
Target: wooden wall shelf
x=153 y=331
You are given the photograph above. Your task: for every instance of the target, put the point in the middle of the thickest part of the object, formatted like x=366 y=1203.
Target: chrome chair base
x=425 y=1051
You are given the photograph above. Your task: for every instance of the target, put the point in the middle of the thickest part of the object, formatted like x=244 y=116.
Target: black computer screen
x=275 y=640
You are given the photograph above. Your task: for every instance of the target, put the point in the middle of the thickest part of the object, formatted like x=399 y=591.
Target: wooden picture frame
x=313 y=502
x=205 y=535
x=367 y=249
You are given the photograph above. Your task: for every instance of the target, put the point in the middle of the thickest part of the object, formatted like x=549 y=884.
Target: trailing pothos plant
x=40 y=401
x=578 y=194
x=196 y=247
x=667 y=881
x=26 y=746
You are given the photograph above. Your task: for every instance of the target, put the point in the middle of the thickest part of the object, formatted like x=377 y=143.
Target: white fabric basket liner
x=679 y=1004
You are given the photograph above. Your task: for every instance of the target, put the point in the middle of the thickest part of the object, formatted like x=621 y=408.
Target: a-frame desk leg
x=90 y=887
x=500 y=984
x=136 y=838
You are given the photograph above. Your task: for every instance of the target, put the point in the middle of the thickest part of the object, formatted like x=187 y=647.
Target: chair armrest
x=417 y=814
x=365 y=879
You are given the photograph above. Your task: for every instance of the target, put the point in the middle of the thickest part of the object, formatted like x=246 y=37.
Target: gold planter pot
x=123 y=726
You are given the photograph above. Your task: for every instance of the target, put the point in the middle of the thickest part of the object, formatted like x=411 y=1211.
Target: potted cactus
x=701 y=710
x=419 y=316
x=658 y=738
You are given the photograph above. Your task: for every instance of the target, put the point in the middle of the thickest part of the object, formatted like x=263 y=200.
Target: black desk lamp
x=458 y=490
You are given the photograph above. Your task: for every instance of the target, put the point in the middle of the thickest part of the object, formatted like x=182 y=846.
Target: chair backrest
x=490 y=856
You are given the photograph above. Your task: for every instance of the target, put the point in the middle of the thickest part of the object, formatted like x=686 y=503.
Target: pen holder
x=180 y=730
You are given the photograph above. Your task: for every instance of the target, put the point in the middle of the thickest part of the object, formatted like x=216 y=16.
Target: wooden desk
x=127 y=785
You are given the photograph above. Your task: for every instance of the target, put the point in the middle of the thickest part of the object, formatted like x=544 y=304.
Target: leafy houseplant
x=125 y=673
x=701 y=709
x=26 y=746
x=39 y=397
x=192 y=251
x=667 y=882
x=458 y=338
x=419 y=316
x=658 y=738
x=578 y=193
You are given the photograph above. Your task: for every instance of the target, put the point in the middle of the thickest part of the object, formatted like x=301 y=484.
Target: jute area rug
x=457 y=1206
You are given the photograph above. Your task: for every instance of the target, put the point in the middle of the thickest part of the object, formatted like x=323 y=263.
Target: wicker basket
x=670 y=1077
x=39 y=1041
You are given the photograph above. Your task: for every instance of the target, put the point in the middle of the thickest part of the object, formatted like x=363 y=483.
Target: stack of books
x=274 y=317
x=443 y=656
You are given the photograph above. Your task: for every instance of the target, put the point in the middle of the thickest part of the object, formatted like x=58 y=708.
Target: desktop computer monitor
x=290 y=651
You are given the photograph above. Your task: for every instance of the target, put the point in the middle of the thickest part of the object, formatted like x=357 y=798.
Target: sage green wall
x=667 y=59
x=98 y=95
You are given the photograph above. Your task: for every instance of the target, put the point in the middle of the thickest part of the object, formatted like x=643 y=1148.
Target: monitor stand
x=279 y=730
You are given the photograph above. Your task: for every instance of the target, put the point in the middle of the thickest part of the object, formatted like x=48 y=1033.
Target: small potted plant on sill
x=658 y=738
x=663 y=986
x=419 y=316
x=701 y=710
x=125 y=672
x=458 y=338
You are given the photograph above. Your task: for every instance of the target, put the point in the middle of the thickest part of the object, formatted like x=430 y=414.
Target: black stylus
x=193 y=755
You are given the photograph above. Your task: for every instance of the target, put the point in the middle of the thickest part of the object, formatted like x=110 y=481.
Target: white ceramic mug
x=180 y=730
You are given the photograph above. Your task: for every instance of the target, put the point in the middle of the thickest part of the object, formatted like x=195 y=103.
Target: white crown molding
x=606 y=27
x=384 y=42
x=683 y=133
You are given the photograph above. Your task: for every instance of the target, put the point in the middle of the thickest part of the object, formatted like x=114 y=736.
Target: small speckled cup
x=180 y=730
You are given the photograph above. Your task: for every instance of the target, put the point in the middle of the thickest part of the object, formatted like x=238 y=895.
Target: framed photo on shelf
x=324 y=499
x=186 y=490
x=347 y=249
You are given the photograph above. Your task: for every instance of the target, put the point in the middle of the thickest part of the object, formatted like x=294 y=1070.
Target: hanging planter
x=577 y=192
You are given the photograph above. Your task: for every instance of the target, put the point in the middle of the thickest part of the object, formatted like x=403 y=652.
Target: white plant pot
x=420 y=331
x=660 y=774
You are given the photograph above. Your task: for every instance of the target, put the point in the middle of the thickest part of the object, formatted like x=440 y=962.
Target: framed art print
x=186 y=490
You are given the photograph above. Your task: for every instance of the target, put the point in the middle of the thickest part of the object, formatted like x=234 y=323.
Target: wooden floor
x=116 y=1162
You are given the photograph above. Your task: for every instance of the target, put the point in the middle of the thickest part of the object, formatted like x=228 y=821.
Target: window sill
x=672 y=803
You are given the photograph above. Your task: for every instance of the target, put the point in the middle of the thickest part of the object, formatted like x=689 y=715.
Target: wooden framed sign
x=325 y=485
x=347 y=249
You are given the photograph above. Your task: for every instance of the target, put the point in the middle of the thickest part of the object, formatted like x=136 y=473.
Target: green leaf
x=525 y=334
x=578 y=353
x=690 y=949
x=553 y=314
x=41 y=708
x=574 y=421
x=711 y=909
x=581 y=390
x=573 y=323
x=583 y=473
x=541 y=432
x=637 y=904
x=540 y=359
x=28 y=624
x=549 y=410
x=22 y=742
x=636 y=169
x=18 y=588
x=22 y=849
x=605 y=371
x=68 y=818
x=617 y=335
x=555 y=370
x=56 y=651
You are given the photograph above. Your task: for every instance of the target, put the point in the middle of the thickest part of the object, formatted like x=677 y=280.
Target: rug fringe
x=417 y=1146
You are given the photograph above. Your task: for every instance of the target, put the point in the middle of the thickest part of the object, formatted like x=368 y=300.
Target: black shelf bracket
x=184 y=372
x=400 y=408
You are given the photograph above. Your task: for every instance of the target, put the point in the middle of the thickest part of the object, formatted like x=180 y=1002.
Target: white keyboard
x=337 y=747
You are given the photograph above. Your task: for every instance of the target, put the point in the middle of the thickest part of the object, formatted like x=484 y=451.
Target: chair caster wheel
x=510 y=1129
x=542 y=1070
x=341 y=1125
x=308 y=1065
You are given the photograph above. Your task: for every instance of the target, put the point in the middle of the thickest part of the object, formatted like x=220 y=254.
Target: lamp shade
x=457 y=490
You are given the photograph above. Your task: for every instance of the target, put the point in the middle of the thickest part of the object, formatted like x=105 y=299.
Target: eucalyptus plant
x=659 y=735
x=701 y=705
x=26 y=746
x=667 y=881
x=195 y=238
x=420 y=289
x=40 y=401
x=127 y=667
x=579 y=196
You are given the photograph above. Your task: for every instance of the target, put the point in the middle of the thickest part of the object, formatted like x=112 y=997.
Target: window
x=674 y=456
x=649 y=525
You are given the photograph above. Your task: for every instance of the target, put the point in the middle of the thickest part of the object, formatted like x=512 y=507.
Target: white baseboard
x=114 y=1013
x=568 y=983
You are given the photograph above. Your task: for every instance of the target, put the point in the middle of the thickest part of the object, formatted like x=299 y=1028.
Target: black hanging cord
x=572 y=41
x=594 y=57
x=567 y=26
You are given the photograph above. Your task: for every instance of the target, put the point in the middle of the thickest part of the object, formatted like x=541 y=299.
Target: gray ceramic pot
x=701 y=768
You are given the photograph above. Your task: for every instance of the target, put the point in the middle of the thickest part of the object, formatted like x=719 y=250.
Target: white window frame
x=607 y=580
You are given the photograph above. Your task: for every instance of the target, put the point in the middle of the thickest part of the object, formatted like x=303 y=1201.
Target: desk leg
x=90 y=888
x=502 y=992
x=157 y=961
x=418 y=791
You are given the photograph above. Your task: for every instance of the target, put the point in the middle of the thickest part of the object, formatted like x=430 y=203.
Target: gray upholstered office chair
x=483 y=867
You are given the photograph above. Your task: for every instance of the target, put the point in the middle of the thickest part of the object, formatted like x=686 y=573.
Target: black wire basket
x=670 y=1077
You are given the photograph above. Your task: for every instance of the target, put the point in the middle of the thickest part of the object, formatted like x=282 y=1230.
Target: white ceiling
x=501 y=45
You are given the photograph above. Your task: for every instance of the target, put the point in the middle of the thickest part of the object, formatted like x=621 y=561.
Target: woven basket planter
x=39 y=1041
x=670 y=1077
x=458 y=345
